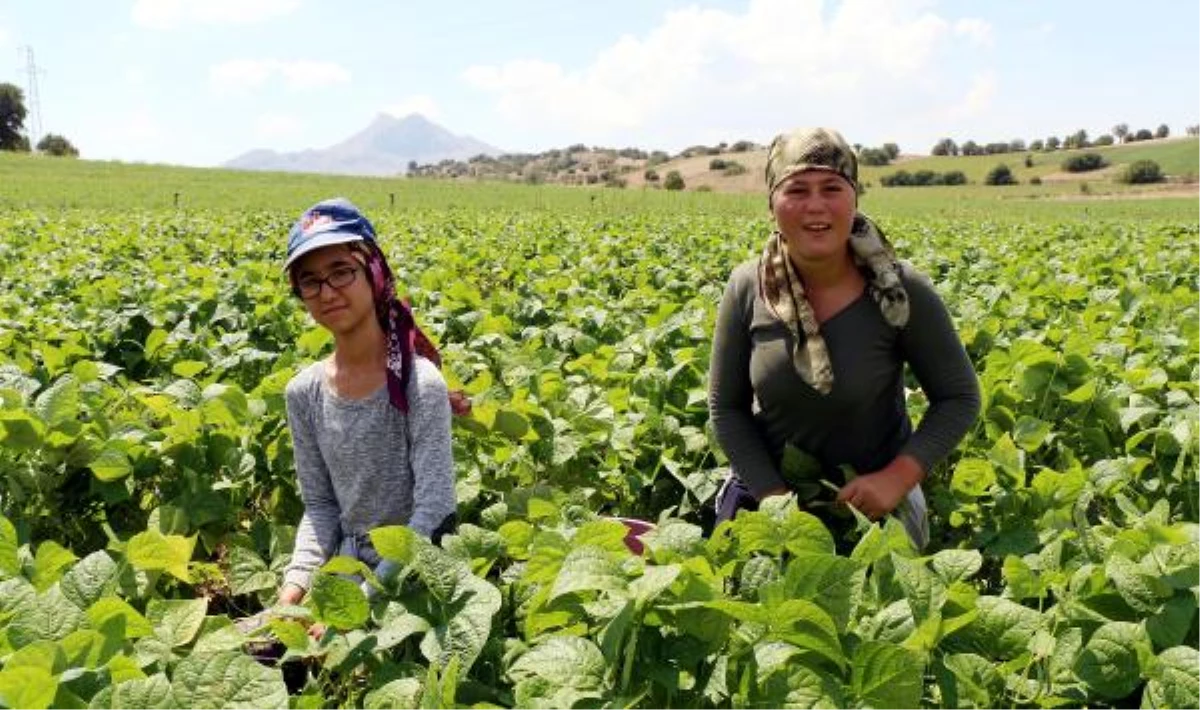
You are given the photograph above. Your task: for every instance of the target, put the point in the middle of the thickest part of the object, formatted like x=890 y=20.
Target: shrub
x=873 y=156
x=954 y=177
x=716 y=164
x=704 y=188
x=651 y=175
x=1084 y=162
x=926 y=177
x=1143 y=134
x=1035 y=180
x=733 y=168
x=674 y=181
x=1000 y=175
x=1141 y=172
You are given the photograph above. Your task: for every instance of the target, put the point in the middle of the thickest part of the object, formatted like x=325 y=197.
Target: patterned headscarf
x=779 y=283
x=404 y=336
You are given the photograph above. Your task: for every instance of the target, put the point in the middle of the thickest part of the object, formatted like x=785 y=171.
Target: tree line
x=13 y=136
x=1079 y=139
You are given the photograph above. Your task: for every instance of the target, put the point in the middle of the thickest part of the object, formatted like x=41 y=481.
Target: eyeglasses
x=339 y=278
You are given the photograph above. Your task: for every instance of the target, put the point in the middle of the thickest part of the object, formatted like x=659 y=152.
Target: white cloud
x=801 y=59
x=172 y=14
x=418 y=103
x=977 y=30
x=244 y=74
x=978 y=99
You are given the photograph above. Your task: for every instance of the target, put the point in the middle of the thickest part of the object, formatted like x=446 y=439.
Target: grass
x=40 y=183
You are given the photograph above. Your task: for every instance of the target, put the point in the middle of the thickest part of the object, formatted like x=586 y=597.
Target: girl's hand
x=877 y=494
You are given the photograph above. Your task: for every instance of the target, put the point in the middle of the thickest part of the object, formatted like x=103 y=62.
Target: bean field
x=149 y=499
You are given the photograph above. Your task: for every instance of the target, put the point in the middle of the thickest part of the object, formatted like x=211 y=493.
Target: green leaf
x=394 y=542
x=1174 y=680
x=247 y=572
x=59 y=402
x=147 y=693
x=1003 y=629
x=111 y=462
x=589 y=569
x=469 y=604
x=227 y=679
x=89 y=579
x=884 y=675
x=924 y=591
x=511 y=424
x=397 y=625
x=956 y=565
x=48 y=615
x=49 y=562
x=25 y=687
x=46 y=655
x=87 y=648
x=1170 y=626
x=558 y=672
x=972 y=477
x=10 y=565
x=1108 y=663
x=797 y=621
x=1144 y=592
x=225 y=405
x=339 y=602
x=132 y=624
x=153 y=551
x=969 y=680
x=402 y=693
x=20 y=432
x=1030 y=433
x=176 y=621
x=654 y=581
x=832 y=582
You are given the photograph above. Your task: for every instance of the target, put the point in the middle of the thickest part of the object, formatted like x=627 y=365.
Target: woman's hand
x=291 y=594
x=877 y=494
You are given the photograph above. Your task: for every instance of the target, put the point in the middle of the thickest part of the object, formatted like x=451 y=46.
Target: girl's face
x=333 y=283
x=814 y=211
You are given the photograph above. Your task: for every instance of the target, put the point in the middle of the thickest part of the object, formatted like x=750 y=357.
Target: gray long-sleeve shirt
x=362 y=465
x=758 y=403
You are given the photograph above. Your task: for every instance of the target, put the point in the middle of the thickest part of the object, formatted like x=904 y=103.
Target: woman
x=810 y=346
x=371 y=423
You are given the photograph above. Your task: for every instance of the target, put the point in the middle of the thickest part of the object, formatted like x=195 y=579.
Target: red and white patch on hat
x=312 y=220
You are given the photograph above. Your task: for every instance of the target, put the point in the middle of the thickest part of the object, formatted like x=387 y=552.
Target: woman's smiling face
x=814 y=211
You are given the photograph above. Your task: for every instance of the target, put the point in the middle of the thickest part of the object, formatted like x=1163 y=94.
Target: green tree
x=54 y=144
x=1000 y=175
x=673 y=181
x=1120 y=131
x=945 y=147
x=1162 y=131
x=892 y=150
x=12 y=118
x=1141 y=171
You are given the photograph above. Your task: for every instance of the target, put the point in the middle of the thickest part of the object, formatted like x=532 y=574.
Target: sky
x=199 y=82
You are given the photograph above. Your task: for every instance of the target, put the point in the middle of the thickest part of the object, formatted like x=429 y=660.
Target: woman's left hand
x=877 y=494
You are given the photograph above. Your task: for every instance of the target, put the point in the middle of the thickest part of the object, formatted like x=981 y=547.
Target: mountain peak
x=385 y=147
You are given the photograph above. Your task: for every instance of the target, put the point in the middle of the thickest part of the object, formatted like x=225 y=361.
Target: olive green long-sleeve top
x=758 y=403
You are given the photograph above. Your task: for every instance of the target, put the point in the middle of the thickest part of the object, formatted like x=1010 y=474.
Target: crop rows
x=148 y=496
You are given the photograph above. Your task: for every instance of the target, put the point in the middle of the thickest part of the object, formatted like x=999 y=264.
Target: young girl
x=370 y=424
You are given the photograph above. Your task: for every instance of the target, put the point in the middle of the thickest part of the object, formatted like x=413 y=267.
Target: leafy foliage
x=149 y=499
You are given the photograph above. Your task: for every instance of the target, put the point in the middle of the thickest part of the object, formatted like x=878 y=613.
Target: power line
x=34 y=101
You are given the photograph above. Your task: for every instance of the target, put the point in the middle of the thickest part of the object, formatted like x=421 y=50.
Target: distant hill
x=386 y=147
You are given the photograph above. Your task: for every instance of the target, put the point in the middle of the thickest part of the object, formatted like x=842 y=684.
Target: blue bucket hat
x=333 y=221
